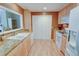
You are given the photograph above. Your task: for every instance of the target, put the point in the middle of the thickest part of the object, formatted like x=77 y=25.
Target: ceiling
x=43 y=7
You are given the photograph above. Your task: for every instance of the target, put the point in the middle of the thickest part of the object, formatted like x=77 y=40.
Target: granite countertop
x=64 y=32
x=9 y=45
x=61 y=31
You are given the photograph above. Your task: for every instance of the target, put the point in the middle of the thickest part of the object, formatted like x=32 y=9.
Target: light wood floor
x=43 y=48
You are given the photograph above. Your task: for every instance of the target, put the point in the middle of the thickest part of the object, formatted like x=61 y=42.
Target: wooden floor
x=43 y=48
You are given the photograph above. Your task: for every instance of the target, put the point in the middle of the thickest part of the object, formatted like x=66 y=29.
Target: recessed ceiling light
x=45 y=8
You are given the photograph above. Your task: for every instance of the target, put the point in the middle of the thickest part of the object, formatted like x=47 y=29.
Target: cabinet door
x=16 y=51
x=63 y=44
x=28 y=43
x=58 y=40
x=26 y=46
x=22 y=49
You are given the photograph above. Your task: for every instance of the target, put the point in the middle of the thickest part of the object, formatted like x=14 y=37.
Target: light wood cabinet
x=26 y=45
x=22 y=49
x=63 y=44
x=16 y=51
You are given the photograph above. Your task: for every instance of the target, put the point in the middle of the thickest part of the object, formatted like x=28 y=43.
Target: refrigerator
x=72 y=48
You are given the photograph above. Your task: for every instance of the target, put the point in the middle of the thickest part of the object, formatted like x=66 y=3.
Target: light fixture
x=45 y=8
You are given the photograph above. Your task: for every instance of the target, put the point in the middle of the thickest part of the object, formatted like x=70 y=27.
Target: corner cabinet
x=22 y=49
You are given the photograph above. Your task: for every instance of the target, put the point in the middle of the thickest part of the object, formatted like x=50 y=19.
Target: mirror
x=9 y=20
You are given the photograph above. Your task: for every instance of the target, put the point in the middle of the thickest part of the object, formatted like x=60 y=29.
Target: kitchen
x=28 y=29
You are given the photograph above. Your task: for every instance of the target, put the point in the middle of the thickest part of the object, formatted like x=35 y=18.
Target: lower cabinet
x=58 y=40
x=16 y=51
x=22 y=49
x=61 y=41
x=63 y=44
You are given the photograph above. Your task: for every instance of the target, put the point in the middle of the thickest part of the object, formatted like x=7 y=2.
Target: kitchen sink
x=19 y=36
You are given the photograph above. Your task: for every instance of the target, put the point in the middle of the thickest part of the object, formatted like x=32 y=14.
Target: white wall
x=42 y=26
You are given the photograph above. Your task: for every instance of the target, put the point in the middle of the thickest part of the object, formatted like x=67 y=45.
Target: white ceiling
x=39 y=7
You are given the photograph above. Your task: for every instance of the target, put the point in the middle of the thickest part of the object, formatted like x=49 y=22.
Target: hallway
x=43 y=48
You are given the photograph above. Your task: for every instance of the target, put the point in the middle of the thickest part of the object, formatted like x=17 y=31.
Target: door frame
x=41 y=13
x=54 y=21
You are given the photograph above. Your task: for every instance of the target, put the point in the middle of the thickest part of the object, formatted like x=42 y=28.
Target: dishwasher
x=58 y=39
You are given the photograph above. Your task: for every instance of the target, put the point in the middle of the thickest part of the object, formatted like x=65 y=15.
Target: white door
x=42 y=26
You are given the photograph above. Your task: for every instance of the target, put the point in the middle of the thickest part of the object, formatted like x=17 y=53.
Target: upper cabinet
x=9 y=19
x=65 y=19
x=74 y=19
x=65 y=12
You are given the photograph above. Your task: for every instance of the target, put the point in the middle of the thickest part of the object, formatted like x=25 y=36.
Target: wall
x=27 y=19
x=43 y=22
x=54 y=19
x=66 y=11
x=14 y=7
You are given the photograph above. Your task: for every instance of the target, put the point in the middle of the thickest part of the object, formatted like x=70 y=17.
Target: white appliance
x=72 y=48
x=74 y=19
x=58 y=39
